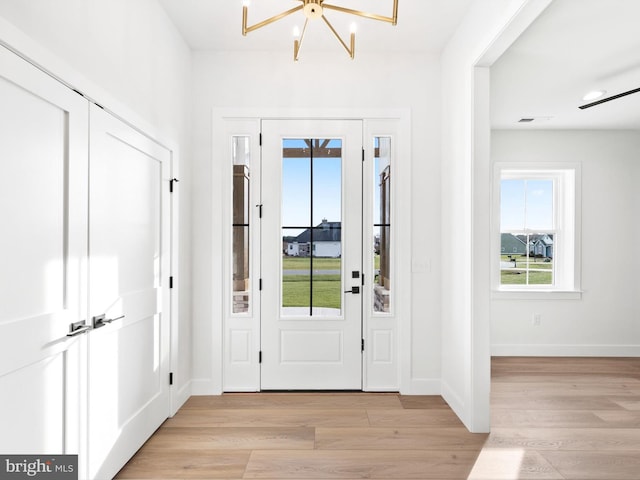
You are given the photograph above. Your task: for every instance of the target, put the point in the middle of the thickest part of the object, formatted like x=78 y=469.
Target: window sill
x=537 y=294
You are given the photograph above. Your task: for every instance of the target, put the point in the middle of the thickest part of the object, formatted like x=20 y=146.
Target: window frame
x=566 y=229
x=385 y=215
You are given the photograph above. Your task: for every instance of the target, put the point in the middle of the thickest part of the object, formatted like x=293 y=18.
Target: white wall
x=127 y=56
x=487 y=29
x=263 y=80
x=605 y=320
x=128 y=49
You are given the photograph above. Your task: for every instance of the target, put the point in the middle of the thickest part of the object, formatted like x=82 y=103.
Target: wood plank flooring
x=552 y=418
x=569 y=418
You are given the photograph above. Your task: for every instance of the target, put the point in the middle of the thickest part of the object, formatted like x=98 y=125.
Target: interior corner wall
x=263 y=80
x=463 y=349
x=128 y=56
x=604 y=322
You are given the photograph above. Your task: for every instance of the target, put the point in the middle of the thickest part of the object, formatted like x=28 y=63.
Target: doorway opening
x=310 y=296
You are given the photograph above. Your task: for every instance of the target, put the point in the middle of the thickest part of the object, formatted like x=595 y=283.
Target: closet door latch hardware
x=101 y=320
x=77 y=328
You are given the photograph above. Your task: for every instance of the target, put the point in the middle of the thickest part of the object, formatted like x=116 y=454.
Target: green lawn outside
x=519 y=277
x=302 y=263
x=326 y=288
x=326 y=291
x=537 y=263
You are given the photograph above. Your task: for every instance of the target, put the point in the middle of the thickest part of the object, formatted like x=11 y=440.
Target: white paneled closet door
x=43 y=246
x=84 y=276
x=129 y=241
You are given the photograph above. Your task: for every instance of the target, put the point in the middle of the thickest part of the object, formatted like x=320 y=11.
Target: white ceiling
x=574 y=47
x=423 y=25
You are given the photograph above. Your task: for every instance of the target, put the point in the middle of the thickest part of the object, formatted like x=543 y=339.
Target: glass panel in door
x=311 y=227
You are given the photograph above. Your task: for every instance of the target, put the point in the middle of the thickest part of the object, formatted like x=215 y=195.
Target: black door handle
x=354 y=290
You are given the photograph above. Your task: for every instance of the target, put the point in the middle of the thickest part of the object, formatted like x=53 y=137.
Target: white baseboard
x=417 y=386
x=422 y=386
x=565 y=350
x=455 y=402
x=180 y=397
x=204 y=386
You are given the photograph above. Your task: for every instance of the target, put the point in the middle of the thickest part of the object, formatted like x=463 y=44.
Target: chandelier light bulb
x=246 y=3
x=354 y=28
x=296 y=31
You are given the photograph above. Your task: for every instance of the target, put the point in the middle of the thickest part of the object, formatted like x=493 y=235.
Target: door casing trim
x=213 y=385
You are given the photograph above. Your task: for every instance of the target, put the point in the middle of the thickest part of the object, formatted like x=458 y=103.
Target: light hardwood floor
x=552 y=418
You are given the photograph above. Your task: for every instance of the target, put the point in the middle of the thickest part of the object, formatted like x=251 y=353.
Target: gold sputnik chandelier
x=314 y=10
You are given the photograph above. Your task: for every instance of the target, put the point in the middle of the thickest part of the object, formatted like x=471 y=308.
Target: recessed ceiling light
x=594 y=95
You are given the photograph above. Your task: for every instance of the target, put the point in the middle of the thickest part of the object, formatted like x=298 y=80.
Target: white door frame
x=377 y=122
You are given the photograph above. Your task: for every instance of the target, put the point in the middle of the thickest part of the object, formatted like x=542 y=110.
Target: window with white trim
x=537 y=235
x=241 y=155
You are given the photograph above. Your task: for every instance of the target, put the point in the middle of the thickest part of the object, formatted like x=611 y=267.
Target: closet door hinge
x=171 y=282
x=362 y=345
x=171 y=378
x=260 y=138
x=259 y=284
x=363 y=154
x=171 y=182
x=260 y=356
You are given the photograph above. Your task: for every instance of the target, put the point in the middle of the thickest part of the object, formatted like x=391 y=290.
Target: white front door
x=311 y=254
x=43 y=159
x=128 y=299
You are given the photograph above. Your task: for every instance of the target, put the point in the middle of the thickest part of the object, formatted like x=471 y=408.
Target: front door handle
x=354 y=290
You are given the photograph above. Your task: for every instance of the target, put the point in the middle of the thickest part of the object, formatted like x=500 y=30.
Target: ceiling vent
x=534 y=119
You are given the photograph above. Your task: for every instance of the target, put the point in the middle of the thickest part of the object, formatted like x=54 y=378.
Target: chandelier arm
x=351 y=51
x=246 y=29
x=374 y=16
x=297 y=43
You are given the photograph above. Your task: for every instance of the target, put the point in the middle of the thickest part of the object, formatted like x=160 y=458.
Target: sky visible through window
x=526 y=204
x=327 y=173
x=296 y=188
